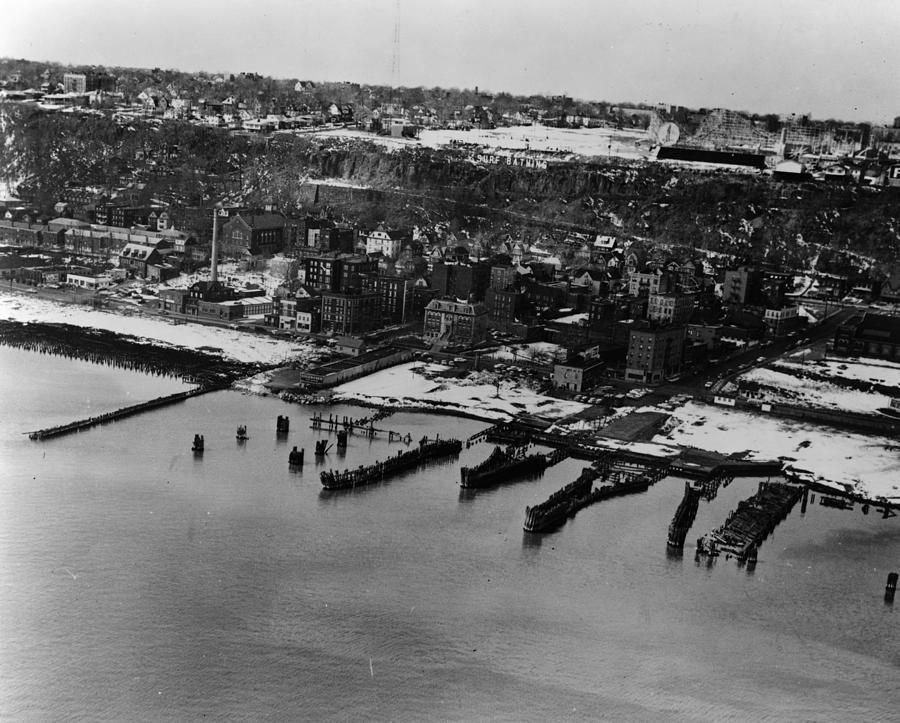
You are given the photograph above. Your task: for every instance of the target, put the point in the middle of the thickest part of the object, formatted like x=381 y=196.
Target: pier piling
x=891 y=588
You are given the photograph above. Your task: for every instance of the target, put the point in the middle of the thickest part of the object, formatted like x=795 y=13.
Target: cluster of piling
x=282 y=424
x=409 y=459
x=108 y=348
x=710 y=484
x=752 y=522
x=556 y=508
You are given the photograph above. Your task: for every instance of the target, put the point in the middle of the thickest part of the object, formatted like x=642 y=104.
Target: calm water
x=140 y=583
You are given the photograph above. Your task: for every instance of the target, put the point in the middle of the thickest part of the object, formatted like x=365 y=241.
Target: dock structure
x=82 y=424
x=752 y=522
x=684 y=516
x=410 y=459
x=618 y=481
x=363 y=425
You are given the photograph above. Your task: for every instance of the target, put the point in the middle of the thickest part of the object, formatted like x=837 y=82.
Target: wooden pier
x=364 y=426
x=89 y=422
x=618 y=481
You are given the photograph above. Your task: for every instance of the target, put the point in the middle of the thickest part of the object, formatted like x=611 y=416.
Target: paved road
x=759 y=355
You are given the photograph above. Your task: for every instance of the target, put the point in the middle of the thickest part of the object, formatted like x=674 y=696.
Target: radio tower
x=395 y=60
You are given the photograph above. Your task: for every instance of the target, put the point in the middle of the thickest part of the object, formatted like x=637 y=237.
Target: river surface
x=139 y=582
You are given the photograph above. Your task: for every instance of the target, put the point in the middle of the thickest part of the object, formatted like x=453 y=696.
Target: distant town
x=603 y=254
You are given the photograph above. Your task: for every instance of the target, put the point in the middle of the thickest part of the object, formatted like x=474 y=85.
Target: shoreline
x=103 y=346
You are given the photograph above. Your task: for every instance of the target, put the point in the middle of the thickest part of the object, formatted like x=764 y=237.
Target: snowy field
x=866 y=370
x=243 y=346
x=844 y=460
x=405 y=386
x=782 y=387
x=580 y=141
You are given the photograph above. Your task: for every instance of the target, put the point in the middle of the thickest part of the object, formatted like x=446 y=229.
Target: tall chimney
x=214 y=261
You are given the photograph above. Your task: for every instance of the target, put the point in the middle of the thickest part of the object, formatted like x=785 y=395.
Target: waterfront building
x=350 y=313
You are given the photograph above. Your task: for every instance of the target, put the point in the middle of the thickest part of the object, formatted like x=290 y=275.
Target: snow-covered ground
x=782 y=387
x=242 y=346
x=784 y=383
x=844 y=460
x=230 y=273
x=582 y=141
x=406 y=386
x=867 y=370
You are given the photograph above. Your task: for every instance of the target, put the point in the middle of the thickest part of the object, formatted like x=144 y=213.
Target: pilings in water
x=82 y=424
x=425 y=451
x=363 y=425
x=322 y=447
x=891 y=588
x=342 y=439
x=241 y=434
x=684 y=516
x=198 y=444
x=282 y=424
x=295 y=457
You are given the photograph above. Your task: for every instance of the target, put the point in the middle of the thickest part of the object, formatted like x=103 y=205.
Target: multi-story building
x=782 y=320
x=650 y=282
x=460 y=281
x=578 y=375
x=454 y=322
x=654 y=353
x=504 y=307
x=395 y=293
x=350 y=313
x=671 y=308
x=741 y=285
x=387 y=243
x=503 y=278
x=88 y=82
x=254 y=234
x=871 y=335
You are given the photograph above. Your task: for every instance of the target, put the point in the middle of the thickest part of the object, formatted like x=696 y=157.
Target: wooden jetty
x=506 y=465
x=684 y=515
x=426 y=450
x=579 y=494
x=752 y=522
x=362 y=425
x=89 y=422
